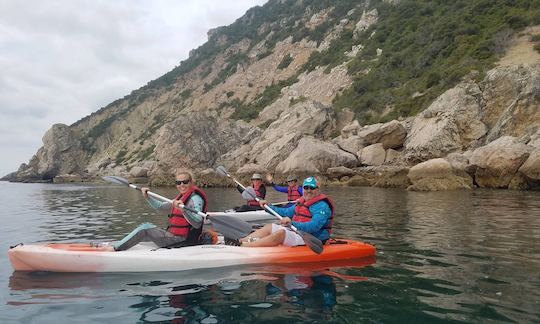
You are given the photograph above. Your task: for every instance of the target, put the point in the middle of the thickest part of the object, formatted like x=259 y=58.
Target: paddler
x=184 y=227
x=260 y=191
x=293 y=190
x=313 y=214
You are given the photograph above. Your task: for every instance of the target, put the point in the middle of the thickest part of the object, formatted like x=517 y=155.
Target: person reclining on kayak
x=313 y=214
x=294 y=192
x=260 y=190
x=184 y=228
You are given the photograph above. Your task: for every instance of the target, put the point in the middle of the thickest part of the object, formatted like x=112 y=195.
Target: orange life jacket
x=178 y=225
x=302 y=213
x=293 y=193
x=253 y=202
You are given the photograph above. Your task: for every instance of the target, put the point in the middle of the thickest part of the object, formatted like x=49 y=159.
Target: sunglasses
x=309 y=188
x=179 y=182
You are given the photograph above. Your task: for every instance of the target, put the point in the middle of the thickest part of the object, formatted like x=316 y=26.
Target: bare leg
x=274 y=239
x=260 y=233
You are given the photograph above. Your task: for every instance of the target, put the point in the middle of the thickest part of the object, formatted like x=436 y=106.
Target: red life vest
x=254 y=202
x=302 y=213
x=293 y=193
x=178 y=225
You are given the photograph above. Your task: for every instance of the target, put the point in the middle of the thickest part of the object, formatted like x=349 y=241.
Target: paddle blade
x=249 y=193
x=312 y=242
x=230 y=226
x=221 y=170
x=116 y=179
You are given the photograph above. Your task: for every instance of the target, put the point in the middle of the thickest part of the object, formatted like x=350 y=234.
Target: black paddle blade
x=230 y=226
x=221 y=170
x=312 y=242
x=116 y=179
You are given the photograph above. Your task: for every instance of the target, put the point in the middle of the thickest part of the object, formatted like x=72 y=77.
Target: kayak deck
x=81 y=257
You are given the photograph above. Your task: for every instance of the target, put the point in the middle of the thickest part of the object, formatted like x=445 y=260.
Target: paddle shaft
x=159 y=197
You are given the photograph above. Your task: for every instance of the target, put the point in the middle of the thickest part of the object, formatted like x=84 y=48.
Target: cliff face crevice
x=289 y=88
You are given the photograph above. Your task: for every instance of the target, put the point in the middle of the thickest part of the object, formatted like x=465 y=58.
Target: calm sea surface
x=461 y=256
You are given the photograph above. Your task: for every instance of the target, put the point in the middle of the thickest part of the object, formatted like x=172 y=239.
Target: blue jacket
x=320 y=215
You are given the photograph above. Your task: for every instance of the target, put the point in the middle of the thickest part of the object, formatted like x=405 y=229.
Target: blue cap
x=310 y=182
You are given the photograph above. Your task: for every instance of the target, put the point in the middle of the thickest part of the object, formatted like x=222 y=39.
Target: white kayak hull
x=146 y=257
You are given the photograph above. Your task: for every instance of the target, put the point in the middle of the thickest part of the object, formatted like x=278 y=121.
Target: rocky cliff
x=281 y=90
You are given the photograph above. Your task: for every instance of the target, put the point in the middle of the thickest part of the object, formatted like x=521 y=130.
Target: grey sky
x=60 y=60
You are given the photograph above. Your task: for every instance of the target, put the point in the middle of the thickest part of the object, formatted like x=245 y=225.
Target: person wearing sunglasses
x=293 y=190
x=260 y=191
x=184 y=228
x=313 y=214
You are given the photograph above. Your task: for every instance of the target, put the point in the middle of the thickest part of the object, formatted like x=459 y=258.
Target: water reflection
x=306 y=291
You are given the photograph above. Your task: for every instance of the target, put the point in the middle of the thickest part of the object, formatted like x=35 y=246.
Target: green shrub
x=285 y=62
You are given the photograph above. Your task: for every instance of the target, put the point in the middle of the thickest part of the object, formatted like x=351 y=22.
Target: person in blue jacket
x=292 y=189
x=313 y=214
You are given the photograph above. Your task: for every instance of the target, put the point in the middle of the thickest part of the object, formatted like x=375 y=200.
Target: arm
x=283 y=211
x=196 y=202
x=280 y=188
x=320 y=213
x=161 y=206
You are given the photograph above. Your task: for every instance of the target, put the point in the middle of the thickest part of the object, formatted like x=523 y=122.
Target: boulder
x=391 y=134
x=372 y=155
x=450 y=124
x=381 y=176
x=437 y=174
x=350 y=144
x=138 y=172
x=339 y=172
x=528 y=175
x=315 y=157
x=497 y=163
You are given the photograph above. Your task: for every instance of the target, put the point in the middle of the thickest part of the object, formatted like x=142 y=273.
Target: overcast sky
x=60 y=60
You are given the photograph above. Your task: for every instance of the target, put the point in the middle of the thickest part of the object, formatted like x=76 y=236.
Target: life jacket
x=178 y=225
x=302 y=213
x=293 y=193
x=253 y=202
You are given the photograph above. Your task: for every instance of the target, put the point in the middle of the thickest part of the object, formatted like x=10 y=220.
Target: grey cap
x=256 y=176
x=291 y=177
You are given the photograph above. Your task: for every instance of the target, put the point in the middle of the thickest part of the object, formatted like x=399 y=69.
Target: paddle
x=311 y=241
x=229 y=226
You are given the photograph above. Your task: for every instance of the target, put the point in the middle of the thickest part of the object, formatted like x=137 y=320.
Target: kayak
x=146 y=257
x=248 y=216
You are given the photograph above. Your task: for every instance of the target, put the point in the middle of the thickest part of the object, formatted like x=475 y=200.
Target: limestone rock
x=381 y=176
x=368 y=18
x=511 y=100
x=391 y=134
x=528 y=175
x=437 y=174
x=372 y=155
x=448 y=125
x=339 y=172
x=138 y=172
x=315 y=156
x=497 y=162
x=281 y=137
x=196 y=140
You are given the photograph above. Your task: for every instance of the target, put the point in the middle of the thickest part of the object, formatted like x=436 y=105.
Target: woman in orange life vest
x=184 y=228
x=260 y=190
x=313 y=214
x=293 y=190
